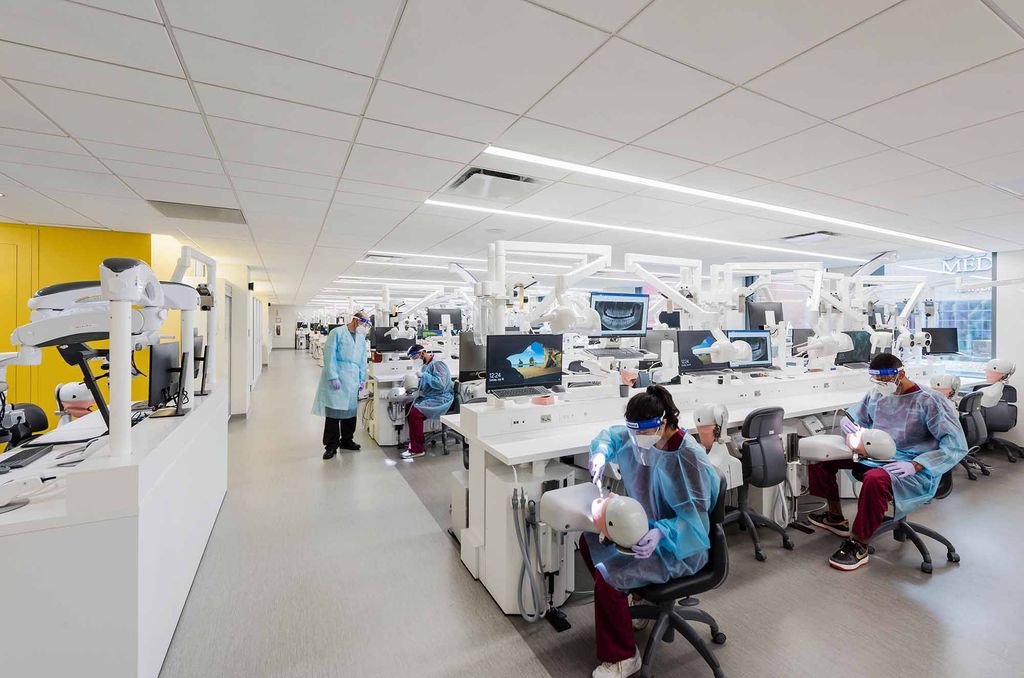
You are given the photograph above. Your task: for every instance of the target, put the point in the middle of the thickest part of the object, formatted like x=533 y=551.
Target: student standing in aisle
x=343 y=375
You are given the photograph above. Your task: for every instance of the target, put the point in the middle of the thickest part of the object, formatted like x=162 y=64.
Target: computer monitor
x=760 y=346
x=689 y=340
x=670 y=318
x=945 y=340
x=164 y=373
x=652 y=342
x=757 y=310
x=382 y=343
x=197 y=356
x=523 y=360
x=472 y=358
x=800 y=338
x=861 y=352
x=622 y=315
x=435 y=318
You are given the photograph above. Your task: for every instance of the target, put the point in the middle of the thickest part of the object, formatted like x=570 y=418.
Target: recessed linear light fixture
x=710 y=195
x=416 y=255
x=645 y=231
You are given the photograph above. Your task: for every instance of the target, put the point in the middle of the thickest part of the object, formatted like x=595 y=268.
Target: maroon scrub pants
x=613 y=624
x=875 y=493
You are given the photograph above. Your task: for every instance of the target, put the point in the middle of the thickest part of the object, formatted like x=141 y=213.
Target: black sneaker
x=350 y=445
x=850 y=556
x=837 y=525
x=329 y=454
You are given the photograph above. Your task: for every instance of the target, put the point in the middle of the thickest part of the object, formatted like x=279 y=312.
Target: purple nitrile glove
x=848 y=426
x=900 y=469
x=647 y=544
x=335 y=384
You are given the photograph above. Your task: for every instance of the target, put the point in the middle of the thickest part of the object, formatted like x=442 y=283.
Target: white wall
x=1010 y=324
x=287 y=315
x=241 y=335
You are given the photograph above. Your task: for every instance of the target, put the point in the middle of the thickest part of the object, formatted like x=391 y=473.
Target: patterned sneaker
x=850 y=556
x=623 y=669
x=837 y=525
x=409 y=454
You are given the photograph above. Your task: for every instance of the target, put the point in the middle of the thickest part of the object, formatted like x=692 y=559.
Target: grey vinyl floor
x=344 y=568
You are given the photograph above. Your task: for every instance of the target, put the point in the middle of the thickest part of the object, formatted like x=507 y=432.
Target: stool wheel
x=787 y=544
x=718 y=638
x=760 y=556
x=953 y=557
x=926 y=568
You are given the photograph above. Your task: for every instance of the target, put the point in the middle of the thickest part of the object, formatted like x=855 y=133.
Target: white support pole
x=120 y=378
x=188 y=323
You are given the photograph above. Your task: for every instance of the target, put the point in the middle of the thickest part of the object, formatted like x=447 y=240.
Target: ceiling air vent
x=180 y=210
x=485 y=184
x=813 y=236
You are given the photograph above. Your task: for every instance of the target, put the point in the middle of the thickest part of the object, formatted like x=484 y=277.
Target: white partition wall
x=1009 y=322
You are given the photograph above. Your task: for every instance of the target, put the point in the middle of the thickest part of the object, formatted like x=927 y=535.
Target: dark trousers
x=875 y=493
x=415 y=421
x=612 y=623
x=337 y=431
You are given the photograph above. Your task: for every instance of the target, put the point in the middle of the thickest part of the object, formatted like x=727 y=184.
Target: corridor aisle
x=324 y=569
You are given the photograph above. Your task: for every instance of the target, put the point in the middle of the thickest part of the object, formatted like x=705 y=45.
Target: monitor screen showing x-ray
x=760 y=346
x=861 y=352
x=692 y=346
x=523 y=360
x=622 y=315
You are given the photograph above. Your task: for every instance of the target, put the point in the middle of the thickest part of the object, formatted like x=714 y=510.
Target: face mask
x=886 y=388
x=362 y=329
x=646 y=442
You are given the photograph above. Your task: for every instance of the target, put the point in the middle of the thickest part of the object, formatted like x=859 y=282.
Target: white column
x=1009 y=326
x=120 y=378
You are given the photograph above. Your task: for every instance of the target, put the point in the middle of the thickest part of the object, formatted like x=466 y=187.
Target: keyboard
x=520 y=392
x=618 y=353
x=23 y=458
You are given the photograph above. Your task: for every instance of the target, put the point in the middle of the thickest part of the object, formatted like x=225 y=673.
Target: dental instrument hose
x=518 y=519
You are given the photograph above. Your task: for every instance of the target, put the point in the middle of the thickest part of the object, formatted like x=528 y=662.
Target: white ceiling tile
x=565 y=200
x=896 y=191
x=719 y=180
x=87 y=116
x=49 y=68
x=646 y=163
x=89 y=32
x=989 y=91
x=1003 y=170
x=357 y=227
x=383 y=166
x=608 y=15
x=382 y=202
x=1014 y=9
x=29 y=156
x=222 y=63
x=635 y=208
x=182 y=176
x=373 y=133
x=208 y=229
x=226 y=103
x=277 y=148
x=738 y=39
x=457 y=47
x=349 y=34
x=564 y=233
x=867 y=171
x=168 y=191
x=912 y=44
x=43 y=178
x=143 y=9
x=533 y=136
x=362 y=187
x=423 y=110
x=278 y=188
x=282 y=205
x=621 y=92
x=150 y=157
x=582 y=179
x=300 y=231
x=113 y=212
x=997 y=137
x=229 y=250
x=30 y=207
x=42 y=142
x=17 y=113
x=748 y=228
x=774 y=193
x=965 y=203
x=809 y=150
x=734 y=123
x=1009 y=226
x=281 y=176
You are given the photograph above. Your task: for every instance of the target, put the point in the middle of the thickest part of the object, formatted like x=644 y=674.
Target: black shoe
x=837 y=525
x=329 y=454
x=350 y=445
x=850 y=556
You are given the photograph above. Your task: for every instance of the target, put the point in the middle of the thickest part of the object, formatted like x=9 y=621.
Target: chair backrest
x=972 y=419
x=1002 y=417
x=945 y=485
x=763 y=453
x=718 y=553
x=36 y=421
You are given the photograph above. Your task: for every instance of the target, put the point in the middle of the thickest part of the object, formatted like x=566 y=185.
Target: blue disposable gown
x=677 y=490
x=435 y=390
x=926 y=429
x=344 y=360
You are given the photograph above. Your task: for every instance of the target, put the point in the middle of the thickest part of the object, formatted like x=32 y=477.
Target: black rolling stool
x=669 y=617
x=903 y=529
x=1001 y=418
x=764 y=465
x=972 y=421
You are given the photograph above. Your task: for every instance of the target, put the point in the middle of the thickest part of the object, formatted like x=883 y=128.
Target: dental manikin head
x=620 y=520
x=999 y=369
x=872 y=443
x=946 y=384
x=710 y=421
